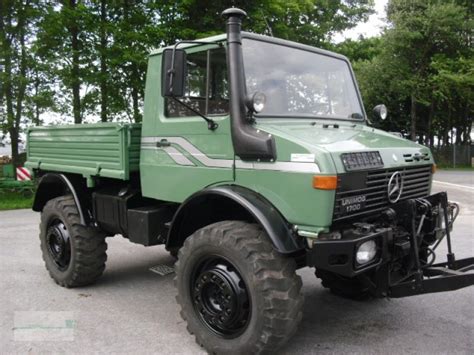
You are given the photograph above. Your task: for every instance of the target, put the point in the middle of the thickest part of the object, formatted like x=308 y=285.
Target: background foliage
x=86 y=59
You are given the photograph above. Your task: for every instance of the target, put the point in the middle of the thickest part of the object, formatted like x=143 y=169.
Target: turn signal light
x=433 y=168
x=325 y=182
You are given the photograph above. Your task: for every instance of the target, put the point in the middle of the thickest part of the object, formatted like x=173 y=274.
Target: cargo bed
x=102 y=149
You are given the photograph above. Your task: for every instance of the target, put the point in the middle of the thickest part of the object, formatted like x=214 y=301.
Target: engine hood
x=329 y=138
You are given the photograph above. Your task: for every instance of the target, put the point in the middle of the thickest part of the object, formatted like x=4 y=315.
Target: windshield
x=300 y=83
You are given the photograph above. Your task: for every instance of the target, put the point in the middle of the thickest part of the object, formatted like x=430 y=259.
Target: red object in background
x=22 y=174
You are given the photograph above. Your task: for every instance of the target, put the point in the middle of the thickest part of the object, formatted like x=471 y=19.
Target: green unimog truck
x=255 y=158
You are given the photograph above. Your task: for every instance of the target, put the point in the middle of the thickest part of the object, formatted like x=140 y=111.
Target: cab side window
x=206 y=86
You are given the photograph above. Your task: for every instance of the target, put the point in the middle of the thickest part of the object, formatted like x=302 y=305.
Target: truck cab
x=255 y=158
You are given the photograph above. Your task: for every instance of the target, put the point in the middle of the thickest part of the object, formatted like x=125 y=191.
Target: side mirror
x=380 y=111
x=173 y=72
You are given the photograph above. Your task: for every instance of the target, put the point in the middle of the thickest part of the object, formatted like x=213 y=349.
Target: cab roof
x=222 y=37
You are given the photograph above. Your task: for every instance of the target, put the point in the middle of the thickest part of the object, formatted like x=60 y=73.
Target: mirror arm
x=211 y=124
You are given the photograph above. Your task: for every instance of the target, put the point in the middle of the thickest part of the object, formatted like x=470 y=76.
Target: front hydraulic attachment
x=438 y=278
x=428 y=278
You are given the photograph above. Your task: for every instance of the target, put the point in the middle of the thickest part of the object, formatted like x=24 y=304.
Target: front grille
x=373 y=185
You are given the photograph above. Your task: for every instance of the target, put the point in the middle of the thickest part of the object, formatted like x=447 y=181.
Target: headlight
x=380 y=111
x=256 y=102
x=366 y=252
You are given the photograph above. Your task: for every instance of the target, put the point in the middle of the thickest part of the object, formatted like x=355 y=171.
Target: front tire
x=74 y=254
x=237 y=294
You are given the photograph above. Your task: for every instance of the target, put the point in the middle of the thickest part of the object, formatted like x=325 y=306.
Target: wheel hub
x=59 y=245
x=221 y=298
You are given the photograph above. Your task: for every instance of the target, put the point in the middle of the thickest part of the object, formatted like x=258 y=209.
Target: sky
x=371 y=28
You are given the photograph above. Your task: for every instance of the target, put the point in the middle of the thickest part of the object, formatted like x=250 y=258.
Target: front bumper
x=339 y=256
x=420 y=220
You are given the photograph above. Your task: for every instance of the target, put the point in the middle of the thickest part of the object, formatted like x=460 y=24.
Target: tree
x=17 y=29
x=423 y=70
x=311 y=22
x=421 y=30
x=64 y=43
x=89 y=58
x=362 y=49
x=99 y=28
x=103 y=46
x=135 y=31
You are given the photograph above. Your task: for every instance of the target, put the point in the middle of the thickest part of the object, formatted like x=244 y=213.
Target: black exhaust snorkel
x=249 y=143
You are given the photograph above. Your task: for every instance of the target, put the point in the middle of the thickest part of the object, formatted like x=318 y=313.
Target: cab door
x=180 y=155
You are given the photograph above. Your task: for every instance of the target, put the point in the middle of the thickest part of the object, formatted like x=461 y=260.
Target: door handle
x=163 y=143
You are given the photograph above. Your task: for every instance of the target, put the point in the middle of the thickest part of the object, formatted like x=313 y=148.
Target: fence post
x=454 y=156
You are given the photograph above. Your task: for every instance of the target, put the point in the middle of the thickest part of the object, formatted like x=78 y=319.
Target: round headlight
x=366 y=252
x=381 y=111
x=257 y=102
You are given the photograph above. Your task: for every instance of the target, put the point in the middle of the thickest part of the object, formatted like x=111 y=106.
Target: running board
x=437 y=278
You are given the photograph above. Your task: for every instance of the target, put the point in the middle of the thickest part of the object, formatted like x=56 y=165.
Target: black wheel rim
x=59 y=244
x=220 y=297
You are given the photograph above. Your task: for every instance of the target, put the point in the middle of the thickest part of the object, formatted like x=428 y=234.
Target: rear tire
x=237 y=294
x=352 y=288
x=74 y=254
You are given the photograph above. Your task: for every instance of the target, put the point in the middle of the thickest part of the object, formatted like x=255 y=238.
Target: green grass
x=15 y=200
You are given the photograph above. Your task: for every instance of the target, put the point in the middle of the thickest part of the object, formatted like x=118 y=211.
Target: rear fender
x=53 y=185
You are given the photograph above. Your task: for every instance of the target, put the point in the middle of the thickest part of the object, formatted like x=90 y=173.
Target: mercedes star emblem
x=395 y=187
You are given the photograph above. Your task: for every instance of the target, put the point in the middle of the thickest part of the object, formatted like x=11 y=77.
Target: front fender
x=240 y=203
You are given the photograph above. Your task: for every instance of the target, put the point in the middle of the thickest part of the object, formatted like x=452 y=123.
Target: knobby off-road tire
x=74 y=254
x=230 y=268
x=352 y=288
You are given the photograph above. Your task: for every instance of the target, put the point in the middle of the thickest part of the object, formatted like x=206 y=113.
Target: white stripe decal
x=181 y=159
x=310 y=168
x=177 y=156
x=195 y=152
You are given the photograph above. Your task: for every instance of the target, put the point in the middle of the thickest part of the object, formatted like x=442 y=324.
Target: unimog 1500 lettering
x=254 y=159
